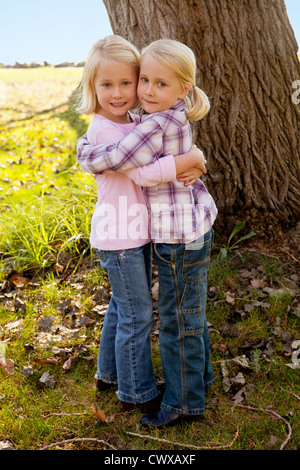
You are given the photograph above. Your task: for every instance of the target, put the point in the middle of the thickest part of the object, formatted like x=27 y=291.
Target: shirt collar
x=178 y=106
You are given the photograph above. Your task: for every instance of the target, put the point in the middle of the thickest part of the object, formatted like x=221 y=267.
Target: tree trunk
x=247 y=64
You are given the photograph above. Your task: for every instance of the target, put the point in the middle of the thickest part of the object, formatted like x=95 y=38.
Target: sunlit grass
x=52 y=227
x=46 y=200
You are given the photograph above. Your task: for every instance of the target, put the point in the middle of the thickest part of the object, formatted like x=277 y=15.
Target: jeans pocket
x=196 y=259
x=190 y=311
x=163 y=253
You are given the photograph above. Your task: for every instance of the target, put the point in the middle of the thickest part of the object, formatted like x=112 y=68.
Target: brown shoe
x=150 y=406
x=102 y=386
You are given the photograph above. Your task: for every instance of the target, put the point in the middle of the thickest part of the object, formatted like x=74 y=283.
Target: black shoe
x=160 y=419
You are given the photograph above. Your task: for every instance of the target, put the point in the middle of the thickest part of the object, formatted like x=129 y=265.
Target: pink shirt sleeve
x=161 y=171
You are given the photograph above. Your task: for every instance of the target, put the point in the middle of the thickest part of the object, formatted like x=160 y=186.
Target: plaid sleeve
x=142 y=146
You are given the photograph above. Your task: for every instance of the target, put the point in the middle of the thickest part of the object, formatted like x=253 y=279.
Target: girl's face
x=158 y=87
x=115 y=85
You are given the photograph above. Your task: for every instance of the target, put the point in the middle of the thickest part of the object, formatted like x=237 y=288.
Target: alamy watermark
x=127 y=221
x=296 y=94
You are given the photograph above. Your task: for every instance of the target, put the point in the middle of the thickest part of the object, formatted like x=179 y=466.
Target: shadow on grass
x=75 y=120
x=69 y=114
x=38 y=113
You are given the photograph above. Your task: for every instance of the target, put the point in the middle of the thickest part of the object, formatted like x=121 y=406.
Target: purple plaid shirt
x=178 y=213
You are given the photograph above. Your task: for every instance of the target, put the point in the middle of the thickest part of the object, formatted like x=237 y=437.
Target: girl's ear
x=185 y=89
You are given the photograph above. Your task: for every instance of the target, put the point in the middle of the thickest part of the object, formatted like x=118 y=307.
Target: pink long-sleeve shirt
x=121 y=219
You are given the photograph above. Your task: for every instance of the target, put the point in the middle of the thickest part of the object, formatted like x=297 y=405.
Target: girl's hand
x=189 y=177
x=201 y=159
x=190 y=160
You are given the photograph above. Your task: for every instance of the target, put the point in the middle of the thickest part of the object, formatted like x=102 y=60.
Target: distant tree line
x=34 y=65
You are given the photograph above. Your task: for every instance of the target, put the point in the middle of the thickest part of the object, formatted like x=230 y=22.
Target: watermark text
x=125 y=221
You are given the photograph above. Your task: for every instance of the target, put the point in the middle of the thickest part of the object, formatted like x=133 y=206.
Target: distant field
x=27 y=91
x=38 y=125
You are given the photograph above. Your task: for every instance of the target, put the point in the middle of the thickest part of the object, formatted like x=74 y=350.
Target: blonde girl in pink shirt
x=119 y=230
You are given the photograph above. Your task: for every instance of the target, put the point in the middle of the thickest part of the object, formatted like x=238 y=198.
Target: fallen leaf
x=100 y=309
x=13 y=325
x=269 y=351
x=268 y=290
x=154 y=291
x=18 y=280
x=272 y=442
x=100 y=414
x=249 y=307
x=277 y=329
x=245 y=273
x=27 y=371
x=220 y=347
x=230 y=367
x=253 y=344
x=68 y=364
x=238 y=380
x=255 y=303
x=239 y=397
x=19 y=305
x=226 y=384
x=281 y=292
x=47 y=360
x=7 y=366
x=46 y=323
x=6 y=445
x=84 y=321
x=47 y=380
x=229 y=329
x=258 y=283
x=59 y=267
x=229 y=298
x=90 y=359
x=261 y=268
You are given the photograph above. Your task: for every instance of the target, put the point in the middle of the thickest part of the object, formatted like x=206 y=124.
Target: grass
x=48 y=270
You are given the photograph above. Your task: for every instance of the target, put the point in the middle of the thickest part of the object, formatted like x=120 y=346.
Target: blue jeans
x=183 y=334
x=125 y=354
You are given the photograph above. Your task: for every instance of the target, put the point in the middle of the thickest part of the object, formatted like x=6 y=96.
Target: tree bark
x=247 y=64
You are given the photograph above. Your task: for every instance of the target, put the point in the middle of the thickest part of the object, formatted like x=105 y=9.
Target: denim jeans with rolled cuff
x=183 y=333
x=124 y=353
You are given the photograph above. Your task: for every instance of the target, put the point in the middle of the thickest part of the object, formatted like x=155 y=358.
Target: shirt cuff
x=167 y=168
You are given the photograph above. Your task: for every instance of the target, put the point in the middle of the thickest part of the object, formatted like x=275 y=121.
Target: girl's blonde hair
x=114 y=48
x=181 y=59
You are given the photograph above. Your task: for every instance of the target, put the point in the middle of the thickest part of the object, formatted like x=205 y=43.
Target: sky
x=64 y=30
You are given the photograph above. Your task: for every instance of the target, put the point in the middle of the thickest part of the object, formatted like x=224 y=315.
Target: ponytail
x=199 y=106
